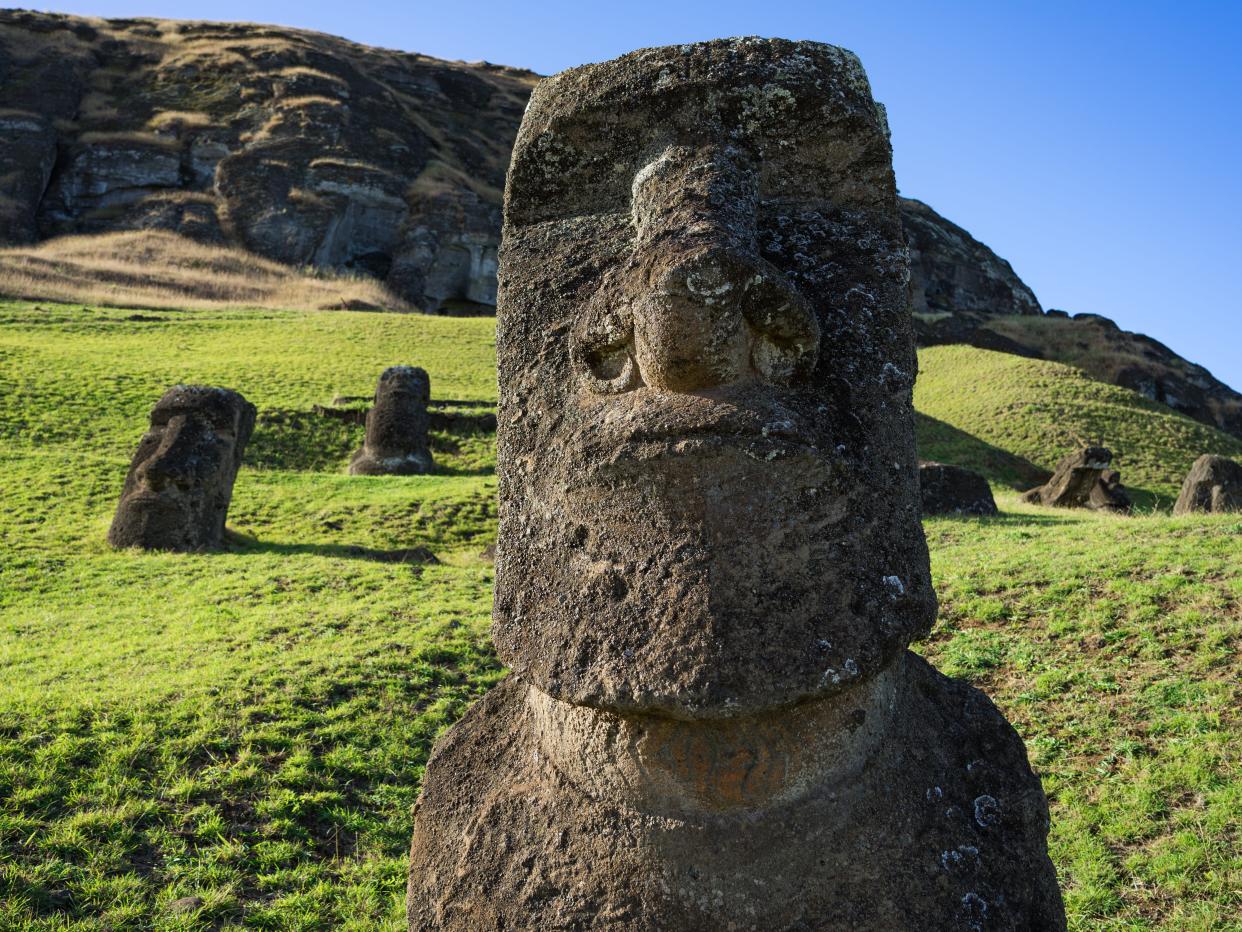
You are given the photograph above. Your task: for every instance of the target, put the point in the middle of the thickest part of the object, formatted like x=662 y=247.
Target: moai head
x=709 y=502
x=396 y=439
x=177 y=491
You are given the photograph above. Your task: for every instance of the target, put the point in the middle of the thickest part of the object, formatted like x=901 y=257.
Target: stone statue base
x=367 y=464
x=940 y=824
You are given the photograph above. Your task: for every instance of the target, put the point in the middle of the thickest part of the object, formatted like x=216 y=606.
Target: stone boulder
x=954 y=490
x=180 y=482
x=1214 y=484
x=396 y=440
x=102 y=176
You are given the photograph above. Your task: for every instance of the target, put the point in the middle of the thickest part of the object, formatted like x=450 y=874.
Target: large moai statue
x=710 y=561
x=396 y=440
x=180 y=481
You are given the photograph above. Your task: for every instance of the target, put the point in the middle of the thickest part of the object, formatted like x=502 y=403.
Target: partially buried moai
x=396 y=439
x=180 y=482
x=710 y=561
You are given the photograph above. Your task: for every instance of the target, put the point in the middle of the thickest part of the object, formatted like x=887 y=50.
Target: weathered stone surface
x=954 y=490
x=104 y=176
x=951 y=272
x=26 y=161
x=177 y=491
x=396 y=439
x=1214 y=484
x=710 y=561
x=704 y=328
x=939 y=826
x=1082 y=480
x=1108 y=494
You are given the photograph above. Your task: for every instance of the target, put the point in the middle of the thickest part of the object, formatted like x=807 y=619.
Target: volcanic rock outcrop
x=951 y=272
x=180 y=482
x=298 y=146
x=954 y=490
x=1214 y=484
x=1082 y=480
x=396 y=439
x=710 y=561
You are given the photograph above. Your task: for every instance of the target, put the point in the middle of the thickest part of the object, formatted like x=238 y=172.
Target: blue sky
x=1093 y=144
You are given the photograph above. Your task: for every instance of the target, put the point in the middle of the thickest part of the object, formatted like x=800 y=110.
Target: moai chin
x=710 y=561
x=396 y=439
x=177 y=492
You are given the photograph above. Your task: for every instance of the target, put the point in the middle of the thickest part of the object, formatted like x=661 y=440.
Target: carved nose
x=171 y=462
x=717 y=318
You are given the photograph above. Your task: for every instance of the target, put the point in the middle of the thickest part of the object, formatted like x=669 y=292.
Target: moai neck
x=680 y=767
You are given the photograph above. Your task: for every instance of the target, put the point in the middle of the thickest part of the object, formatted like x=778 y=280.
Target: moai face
x=709 y=503
x=396 y=439
x=401 y=400
x=177 y=491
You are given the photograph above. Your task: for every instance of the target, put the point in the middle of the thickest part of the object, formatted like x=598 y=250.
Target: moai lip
x=180 y=481
x=396 y=441
x=706 y=442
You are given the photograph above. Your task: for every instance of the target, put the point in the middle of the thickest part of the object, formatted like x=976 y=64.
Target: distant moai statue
x=710 y=561
x=1082 y=479
x=396 y=440
x=180 y=482
x=1214 y=484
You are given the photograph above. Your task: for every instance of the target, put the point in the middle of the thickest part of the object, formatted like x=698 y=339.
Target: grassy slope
x=1018 y=412
x=153 y=269
x=249 y=728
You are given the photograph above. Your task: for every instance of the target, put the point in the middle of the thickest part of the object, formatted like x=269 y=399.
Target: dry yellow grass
x=154 y=269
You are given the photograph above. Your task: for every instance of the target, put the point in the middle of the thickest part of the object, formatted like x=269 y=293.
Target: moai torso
x=396 y=439
x=710 y=560
x=180 y=482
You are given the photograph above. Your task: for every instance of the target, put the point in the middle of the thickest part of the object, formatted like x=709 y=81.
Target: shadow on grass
x=945 y=443
x=414 y=556
x=1054 y=518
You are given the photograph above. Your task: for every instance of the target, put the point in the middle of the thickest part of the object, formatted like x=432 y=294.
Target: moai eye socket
x=785 y=330
x=603 y=354
x=607 y=368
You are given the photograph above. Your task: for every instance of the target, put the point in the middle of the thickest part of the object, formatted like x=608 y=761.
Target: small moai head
x=709 y=502
x=177 y=492
x=396 y=438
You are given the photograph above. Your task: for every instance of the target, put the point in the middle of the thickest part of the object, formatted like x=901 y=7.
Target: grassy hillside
x=229 y=740
x=152 y=269
x=1006 y=414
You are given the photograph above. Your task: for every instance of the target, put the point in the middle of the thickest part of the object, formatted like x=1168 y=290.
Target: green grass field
x=234 y=740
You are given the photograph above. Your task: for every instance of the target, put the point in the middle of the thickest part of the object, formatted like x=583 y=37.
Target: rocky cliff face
x=301 y=147
x=951 y=272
